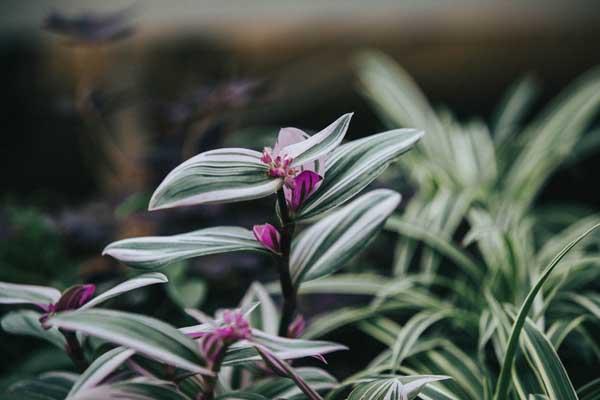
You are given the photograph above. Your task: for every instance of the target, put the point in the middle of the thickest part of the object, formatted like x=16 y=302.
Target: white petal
x=288 y=136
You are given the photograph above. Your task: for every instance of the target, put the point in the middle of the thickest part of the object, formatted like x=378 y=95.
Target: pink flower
x=231 y=327
x=299 y=182
x=268 y=236
x=71 y=299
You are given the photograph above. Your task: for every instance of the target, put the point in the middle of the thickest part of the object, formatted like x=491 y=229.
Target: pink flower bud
x=268 y=236
x=71 y=299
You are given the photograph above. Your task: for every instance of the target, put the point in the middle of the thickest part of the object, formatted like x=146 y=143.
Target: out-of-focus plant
x=244 y=353
x=487 y=288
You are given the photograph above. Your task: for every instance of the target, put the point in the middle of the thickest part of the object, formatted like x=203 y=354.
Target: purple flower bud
x=296 y=328
x=74 y=297
x=71 y=299
x=304 y=186
x=268 y=236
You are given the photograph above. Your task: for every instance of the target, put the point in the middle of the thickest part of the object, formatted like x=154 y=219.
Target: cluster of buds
x=71 y=299
x=232 y=327
x=280 y=167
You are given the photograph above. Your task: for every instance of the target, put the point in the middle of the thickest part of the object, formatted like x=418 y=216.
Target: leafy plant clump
x=486 y=289
x=242 y=353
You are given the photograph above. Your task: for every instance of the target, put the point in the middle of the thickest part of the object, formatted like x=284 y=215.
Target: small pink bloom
x=233 y=327
x=268 y=236
x=280 y=164
x=296 y=328
x=304 y=186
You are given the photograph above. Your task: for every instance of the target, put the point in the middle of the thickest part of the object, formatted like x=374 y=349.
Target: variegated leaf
x=281 y=388
x=284 y=348
x=281 y=368
x=399 y=387
x=547 y=364
x=14 y=293
x=27 y=322
x=503 y=383
x=352 y=166
x=48 y=386
x=216 y=176
x=147 y=336
x=320 y=143
x=154 y=252
x=151 y=278
x=101 y=368
x=324 y=247
x=133 y=389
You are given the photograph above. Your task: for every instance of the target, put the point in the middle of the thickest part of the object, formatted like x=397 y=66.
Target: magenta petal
x=268 y=236
x=304 y=185
x=75 y=296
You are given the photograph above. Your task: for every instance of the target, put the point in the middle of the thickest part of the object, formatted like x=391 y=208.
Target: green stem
x=288 y=290
x=74 y=350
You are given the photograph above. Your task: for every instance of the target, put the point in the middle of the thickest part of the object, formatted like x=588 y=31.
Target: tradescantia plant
x=247 y=352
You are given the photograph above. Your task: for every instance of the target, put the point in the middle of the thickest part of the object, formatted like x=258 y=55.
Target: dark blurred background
x=102 y=99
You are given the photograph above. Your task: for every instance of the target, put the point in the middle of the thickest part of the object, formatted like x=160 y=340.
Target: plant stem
x=288 y=290
x=74 y=350
x=211 y=381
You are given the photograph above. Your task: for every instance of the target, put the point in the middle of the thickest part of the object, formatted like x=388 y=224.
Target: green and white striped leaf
x=511 y=350
x=358 y=284
x=14 y=293
x=410 y=333
x=320 y=143
x=266 y=317
x=284 y=348
x=282 y=388
x=147 y=336
x=216 y=176
x=27 y=322
x=352 y=166
x=281 y=368
x=327 y=245
x=467 y=377
x=151 y=278
x=547 y=364
x=154 y=252
x=134 y=389
x=400 y=387
x=48 y=386
x=102 y=367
